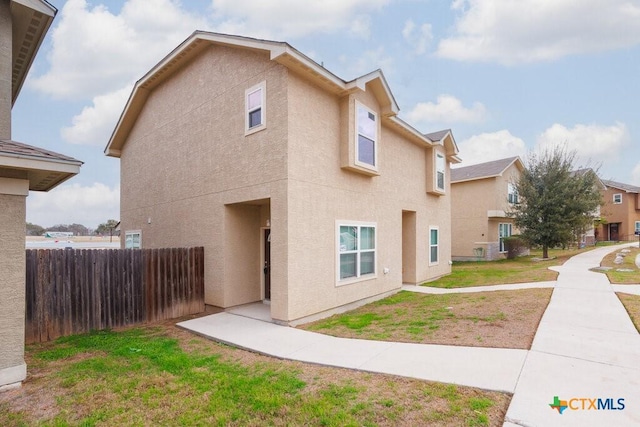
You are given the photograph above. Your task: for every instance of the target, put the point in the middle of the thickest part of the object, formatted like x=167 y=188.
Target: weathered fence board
x=72 y=291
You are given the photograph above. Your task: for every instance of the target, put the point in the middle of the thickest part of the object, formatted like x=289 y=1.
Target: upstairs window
x=133 y=239
x=617 y=199
x=440 y=171
x=366 y=137
x=255 y=117
x=512 y=192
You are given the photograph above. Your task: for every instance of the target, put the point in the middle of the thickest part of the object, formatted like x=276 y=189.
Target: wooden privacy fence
x=70 y=291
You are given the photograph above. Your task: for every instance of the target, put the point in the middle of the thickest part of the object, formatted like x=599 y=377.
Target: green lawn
x=164 y=376
x=630 y=273
x=520 y=270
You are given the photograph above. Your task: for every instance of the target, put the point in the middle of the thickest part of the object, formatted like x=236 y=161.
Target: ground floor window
x=434 y=245
x=133 y=239
x=637 y=228
x=504 y=230
x=356 y=250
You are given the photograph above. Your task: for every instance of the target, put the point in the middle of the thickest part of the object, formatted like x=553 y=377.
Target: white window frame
x=358 y=251
x=262 y=86
x=501 y=235
x=436 y=245
x=441 y=168
x=637 y=227
x=133 y=245
x=512 y=194
x=376 y=139
x=618 y=197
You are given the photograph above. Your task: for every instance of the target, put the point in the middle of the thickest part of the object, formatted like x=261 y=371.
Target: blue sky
x=508 y=77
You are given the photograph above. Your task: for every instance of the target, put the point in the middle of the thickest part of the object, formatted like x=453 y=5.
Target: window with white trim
x=637 y=231
x=356 y=250
x=441 y=165
x=366 y=137
x=504 y=230
x=512 y=193
x=617 y=198
x=255 y=114
x=434 y=245
x=133 y=239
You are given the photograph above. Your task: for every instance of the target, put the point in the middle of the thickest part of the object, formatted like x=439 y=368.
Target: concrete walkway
x=585 y=347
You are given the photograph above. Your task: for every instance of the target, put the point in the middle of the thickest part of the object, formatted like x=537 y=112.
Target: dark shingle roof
x=437 y=136
x=620 y=186
x=482 y=170
x=23 y=150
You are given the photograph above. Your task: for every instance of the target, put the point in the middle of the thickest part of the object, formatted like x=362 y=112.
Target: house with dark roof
x=620 y=212
x=23 y=168
x=308 y=192
x=481 y=198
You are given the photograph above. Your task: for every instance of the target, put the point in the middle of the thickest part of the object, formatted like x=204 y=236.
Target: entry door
x=614 y=232
x=267 y=264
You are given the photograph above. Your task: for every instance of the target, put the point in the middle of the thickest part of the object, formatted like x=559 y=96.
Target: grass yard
x=623 y=277
x=632 y=305
x=161 y=375
x=520 y=270
x=506 y=319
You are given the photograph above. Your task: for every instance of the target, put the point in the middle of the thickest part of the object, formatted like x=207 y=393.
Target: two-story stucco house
x=620 y=212
x=23 y=25
x=306 y=191
x=481 y=198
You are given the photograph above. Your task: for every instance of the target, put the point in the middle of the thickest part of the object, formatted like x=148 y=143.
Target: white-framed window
x=441 y=166
x=637 y=230
x=617 y=198
x=504 y=230
x=366 y=137
x=133 y=239
x=356 y=250
x=434 y=245
x=512 y=193
x=255 y=108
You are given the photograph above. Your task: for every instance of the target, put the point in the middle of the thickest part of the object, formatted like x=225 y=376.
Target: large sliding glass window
x=357 y=250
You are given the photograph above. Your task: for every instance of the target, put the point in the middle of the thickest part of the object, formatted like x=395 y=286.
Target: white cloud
x=593 y=143
x=285 y=19
x=96 y=51
x=490 y=146
x=418 y=38
x=93 y=126
x=447 y=109
x=536 y=30
x=74 y=204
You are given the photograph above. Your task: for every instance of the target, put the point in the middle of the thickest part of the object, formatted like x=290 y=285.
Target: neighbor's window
x=434 y=239
x=504 y=230
x=133 y=239
x=357 y=250
x=440 y=170
x=255 y=117
x=512 y=192
x=637 y=227
x=367 y=136
x=617 y=198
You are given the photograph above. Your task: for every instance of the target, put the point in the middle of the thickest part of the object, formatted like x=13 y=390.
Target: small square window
x=617 y=198
x=133 y=239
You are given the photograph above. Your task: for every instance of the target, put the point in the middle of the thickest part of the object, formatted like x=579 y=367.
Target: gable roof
x=484 y=170
x=31 y=21
x=280 y=52
x=620 y=186
x=445 y=139
x=43 y=168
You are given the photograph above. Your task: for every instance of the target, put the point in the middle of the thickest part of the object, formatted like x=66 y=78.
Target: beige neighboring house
x=620 y=212
x=307 y=191
x=23 y=25
x=482 y=195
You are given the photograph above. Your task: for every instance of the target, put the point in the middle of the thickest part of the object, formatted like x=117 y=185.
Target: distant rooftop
x=482 y=170
x=620 y=186
x=23 y=150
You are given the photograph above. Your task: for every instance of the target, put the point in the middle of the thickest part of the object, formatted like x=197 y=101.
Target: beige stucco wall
x=12 y=291
x=625 y=213
x=472 y=226
x=191 y=177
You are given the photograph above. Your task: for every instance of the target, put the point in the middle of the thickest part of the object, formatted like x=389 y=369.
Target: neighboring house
x=482 y=195
x=587 y=236
x=306 y=191
x=23 y=25
x=620 y=212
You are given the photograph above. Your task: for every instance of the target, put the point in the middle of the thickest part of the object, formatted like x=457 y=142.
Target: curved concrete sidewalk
x=585 y=347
